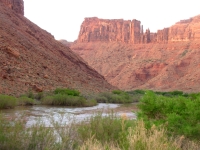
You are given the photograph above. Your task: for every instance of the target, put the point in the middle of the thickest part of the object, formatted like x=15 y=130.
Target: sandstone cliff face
x=126 y=31
x=94 y=29
x=31 y=59
x=166 y=60
x=185 y=30
x=16 y=5
x=156 y=66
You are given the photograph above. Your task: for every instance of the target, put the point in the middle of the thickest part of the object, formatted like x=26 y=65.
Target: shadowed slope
x=31 y=59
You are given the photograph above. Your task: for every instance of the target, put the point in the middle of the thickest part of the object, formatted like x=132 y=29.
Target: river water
x=64 y=115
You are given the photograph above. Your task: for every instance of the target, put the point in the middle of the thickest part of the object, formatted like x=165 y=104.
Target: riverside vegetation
x=68 y=97
x=166 y=120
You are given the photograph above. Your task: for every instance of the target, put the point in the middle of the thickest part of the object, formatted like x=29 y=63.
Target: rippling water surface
x=62 y=115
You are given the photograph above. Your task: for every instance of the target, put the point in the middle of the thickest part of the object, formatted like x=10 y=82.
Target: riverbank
x=165 y=120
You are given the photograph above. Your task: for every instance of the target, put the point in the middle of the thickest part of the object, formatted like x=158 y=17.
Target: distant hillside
x=65 y=42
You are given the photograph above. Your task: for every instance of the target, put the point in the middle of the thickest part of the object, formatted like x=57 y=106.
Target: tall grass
x=119 y=133
x=67 y=100
x=65 y=91
x=104 y=129
x=67 y=97
x=14 y=135
x=116 y=96
x=7 y=101
x=64 y=100
x=137 y=137
x=24 y=101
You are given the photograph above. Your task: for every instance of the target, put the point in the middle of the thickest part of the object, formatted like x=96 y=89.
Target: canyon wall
x=95 y=29
x=16 y=5
x=167 y=60
x=127 y=31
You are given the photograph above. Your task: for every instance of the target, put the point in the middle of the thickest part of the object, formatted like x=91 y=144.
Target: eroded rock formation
x=127 y=31
x=167 y=60
x=94 y=29
x=16 y=5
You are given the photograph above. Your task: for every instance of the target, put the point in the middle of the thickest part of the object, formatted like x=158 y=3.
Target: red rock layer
x=119 y=30
x=160 y=66
x=16 y=5
x=31 y=59
x=94 y=29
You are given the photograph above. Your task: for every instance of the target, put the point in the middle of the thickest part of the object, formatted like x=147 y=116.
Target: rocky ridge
x=166 y=60
x=32 y=60
x=127 y=31
x=16 y=5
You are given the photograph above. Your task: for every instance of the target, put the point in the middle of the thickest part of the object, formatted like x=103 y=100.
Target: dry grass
x=93 y=144
x=142 y=139
x=66 y=137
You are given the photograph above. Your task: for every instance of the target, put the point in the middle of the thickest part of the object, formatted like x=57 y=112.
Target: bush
x=142 y=92
x=24 y=100
x=30 y=94
x=117 y=92
x=90 y=103
x=67 y=100
x=106 y=128
x=193 y=96
x=114 y=97
x=181 y=115
x=172 y=94
x=47 y=100
x=64 y=100
x=39 y=96
x=67 y=92
x=7 y=101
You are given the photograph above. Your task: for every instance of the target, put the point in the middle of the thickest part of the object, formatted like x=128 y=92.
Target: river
x=65 y=115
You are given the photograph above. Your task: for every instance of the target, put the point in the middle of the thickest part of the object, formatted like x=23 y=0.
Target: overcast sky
x=63 y=18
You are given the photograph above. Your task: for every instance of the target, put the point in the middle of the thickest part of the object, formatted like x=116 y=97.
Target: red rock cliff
x=94 y=29
x=16 y=5
x=127 y=31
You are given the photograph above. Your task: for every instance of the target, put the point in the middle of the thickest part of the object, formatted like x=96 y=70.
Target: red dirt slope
x=164 y=67
x=31 y=59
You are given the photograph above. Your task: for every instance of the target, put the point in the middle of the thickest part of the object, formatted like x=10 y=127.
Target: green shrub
x=172 y=94
x=136 y=95
x=7 y=101
x=24 y=100
x=90 y=103
x=117 y=92
x=39 y=96
x=114 y=97
x=67 y=100
x=102 y=99
x=193 y=96
x=48 y=100
x=177 y=93
x=181 y=115
x=142 y=92
x=67 y=92
x=106 y=128
x=30 y=94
